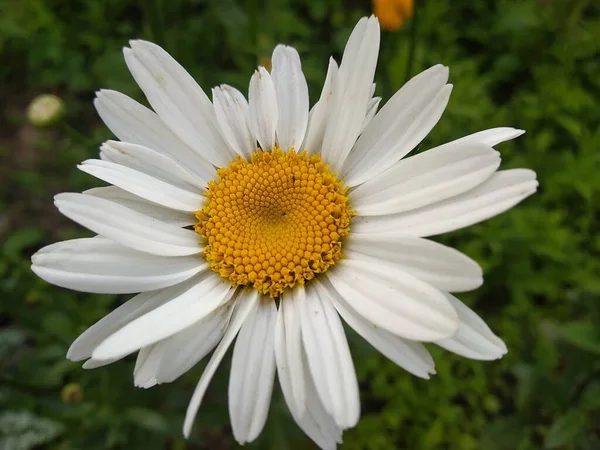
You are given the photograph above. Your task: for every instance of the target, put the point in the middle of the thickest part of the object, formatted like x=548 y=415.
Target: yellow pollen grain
x=274 y=221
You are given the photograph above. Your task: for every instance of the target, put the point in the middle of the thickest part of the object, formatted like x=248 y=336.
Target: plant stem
x=252 y=13
x=153 y=15
x=413 y=42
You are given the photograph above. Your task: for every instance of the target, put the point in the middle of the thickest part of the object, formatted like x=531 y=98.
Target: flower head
x=262 y=220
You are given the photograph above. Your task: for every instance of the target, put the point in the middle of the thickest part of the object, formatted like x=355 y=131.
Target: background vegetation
x=531 y=64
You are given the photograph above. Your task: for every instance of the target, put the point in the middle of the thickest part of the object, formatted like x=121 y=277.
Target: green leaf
x=567 y=429
x=504 y=434
x=22 y=430
x=21 y=240
x=11 y=338
x=148 y=419
x=584 y=335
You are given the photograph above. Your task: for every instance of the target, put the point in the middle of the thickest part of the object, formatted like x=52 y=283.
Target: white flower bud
x=45 y=110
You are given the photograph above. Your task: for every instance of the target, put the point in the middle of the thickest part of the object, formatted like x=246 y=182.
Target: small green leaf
x=11 y=338
x=567 y=429
x=21 y=240
x=584 y=335
x=148 y=419
x=504 y=434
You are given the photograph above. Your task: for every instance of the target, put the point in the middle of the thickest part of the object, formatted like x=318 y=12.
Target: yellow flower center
x=275 y=221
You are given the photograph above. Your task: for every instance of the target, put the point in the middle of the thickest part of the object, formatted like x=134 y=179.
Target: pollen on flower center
x=275 y=221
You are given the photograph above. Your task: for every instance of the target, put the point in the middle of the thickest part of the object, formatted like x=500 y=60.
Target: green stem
x=153 y=15
x=413 y=42
x=73 y=134
x=252 y=13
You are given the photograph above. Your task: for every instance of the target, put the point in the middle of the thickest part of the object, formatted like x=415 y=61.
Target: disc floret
x=274 y=221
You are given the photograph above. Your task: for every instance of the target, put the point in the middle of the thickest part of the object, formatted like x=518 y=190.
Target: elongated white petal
x=292 y=97
x=317 y=119
x=132 y=122
x=491 y=137
x=170 y=358
x=351 y=94
x=264 y=113
x=178 y=100
x=411 y=356
x=142 y=185
x=252 y=373
x=94 y=363
x=185 y=349
x=151 y=163
x=473 y=339
x=329 y=357
x=102 y=266
x=429 y=177
x=500 y=192
x=134 y=308
x=117 y=195
x=443 y=267
x=147 y=363
x=399 y=126
x=394 y=300
x=371 y=111
x=313 y=420
x=233 y=115
x=246 y=301
x=289 y=349
x=295 y=379
x=182 y=311
x=127 y=227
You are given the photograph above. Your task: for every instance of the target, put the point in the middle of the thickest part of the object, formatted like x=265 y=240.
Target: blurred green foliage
x=532 y=64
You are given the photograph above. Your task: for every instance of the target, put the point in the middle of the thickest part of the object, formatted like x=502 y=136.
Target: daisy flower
x=263 y=220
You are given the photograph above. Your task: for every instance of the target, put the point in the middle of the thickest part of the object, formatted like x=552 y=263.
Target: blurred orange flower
x=392 y=13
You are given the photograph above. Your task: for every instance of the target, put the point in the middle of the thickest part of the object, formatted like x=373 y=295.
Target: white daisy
x=264 y=258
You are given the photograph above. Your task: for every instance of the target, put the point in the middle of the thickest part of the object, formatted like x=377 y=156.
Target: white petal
x=317 y=119
x=491 y=137
x=500 y=192
x=247 y=300
x=132 y=122
x=178 y=100
x=371 y=111
x=101 y=266
x=117 y=195
x=252 y=373
x=94 y=363
x=428 y=177
x=329 y=357
x=132 y=309
x=314 y=420
x=411 y=356
x=292 y=97
x=151 y=163
x=170 y=358
x=183 y=350
x=126 y=226
x=473 y=339
x=394 y=300
x=288 y=350
x=443 y=267
x=399 y=126
x=193 y=305
x=233 y=116
x=351 y=93
x=147 y=363
x=262 y=100
x=142 y=185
